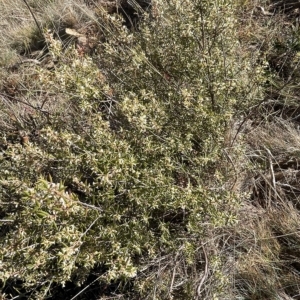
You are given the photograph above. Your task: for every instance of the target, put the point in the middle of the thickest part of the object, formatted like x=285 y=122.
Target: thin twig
x=235 y=171
x=174 y=272
x=91 y=206
x=6 y=97
x=205 y=275
x=271 y=170
x=35 y=20
x=85 y=288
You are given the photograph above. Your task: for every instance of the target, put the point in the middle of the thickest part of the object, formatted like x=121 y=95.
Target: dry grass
x=265 y=244
x=22 y=33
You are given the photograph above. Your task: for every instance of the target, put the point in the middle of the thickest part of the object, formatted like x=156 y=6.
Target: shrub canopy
x=129 y=167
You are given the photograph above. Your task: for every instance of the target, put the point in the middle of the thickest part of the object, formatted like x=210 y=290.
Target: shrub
x=135 y=172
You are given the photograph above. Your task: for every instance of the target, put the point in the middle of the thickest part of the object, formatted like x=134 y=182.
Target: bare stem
x=35 y=20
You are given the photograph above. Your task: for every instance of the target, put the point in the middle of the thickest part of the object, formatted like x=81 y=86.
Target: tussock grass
x=266 y=242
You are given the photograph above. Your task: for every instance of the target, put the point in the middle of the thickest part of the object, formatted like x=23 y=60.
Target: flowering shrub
x=141 y=174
